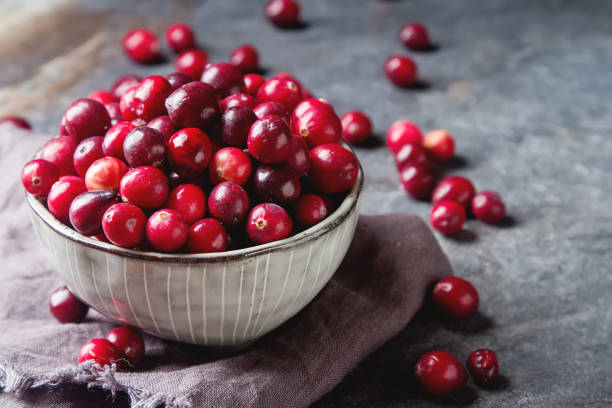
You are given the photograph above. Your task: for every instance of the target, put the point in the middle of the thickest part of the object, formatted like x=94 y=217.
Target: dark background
x=524 y=86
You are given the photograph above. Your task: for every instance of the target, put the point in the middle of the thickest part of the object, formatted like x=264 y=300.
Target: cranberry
x=483 y=365
x=418 y=179
x=114 y=111
x=193 y=105
x=238 y=99
x=178 y=79
x=180 y=37
x=415 y=36
x=283 y=13
x=308 y=104
x=87 y=209
x=150 y=96
x=129 y=342
x=281 y=90
x=38 y=176
x=333 y=168
x=146 y=187
x=112 y=144
x=318 y=126
x=356 y=127
x=270 y=140
x=61 y=195
x=66 y=307
x=189 y=200
x=15 y=121
x=230 y=164
x=141 y=45
x=454 y=188
x=268 y=222
x=88 y=151
x=122 y=84
x=447 y=217
x=440 y=144
x=235 y=125
x=411 y=153
x=102 y=352
x=86 y=117
x=488 y=206
x=229 y=203
x=103 y=96
x=224 y=77
x=60 y=151
x=207 y=235
x=272 y=109
x=299 y=158
x=276 y=184
x=440 y=373
x=144 y=146
x=105 y=174
x=61 y=130
x=164 y=125
x=455 y=297
x=167 y=230
x=252 y=83
x=191 y=63
x=124 y=224
x=127 y=105
x=245 y=58
x=401 y=70
x=189 y=151
x=309 y=210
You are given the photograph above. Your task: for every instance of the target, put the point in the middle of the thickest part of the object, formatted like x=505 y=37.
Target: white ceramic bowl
x=223 y=299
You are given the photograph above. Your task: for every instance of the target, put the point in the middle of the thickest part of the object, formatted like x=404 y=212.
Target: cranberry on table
x=230 y=164
x=191 y=63
x=235 y=126
x=454 y=188
x=239 y=99
x=318 y=126
x=267 y=223
x=440 y=144
x=180 y=37
x=483 y=366
x=87 y=209
x=440 y=373
x=229 y=203
x=164 y=125
x=112 y=145
x=86 y=117
x=418 y=179
x=283 y=13
x=189 y=200
x=127 y=105
x=189 y=151
x=333 y=168
x=105 y=174
x=141 y=45
x=87 y=152
x=150 y=96
x=411 y=153
x=129 y=342
x=276 y=184
x=102 y=352
x=144 y=146
x=123 y=83
x=299 y=158
x=61 y=195
x=309 y=209
x=415 y=36
x=178 y=79
x=245 y=58
x=402 y=132
x=455 y=297
x=145 y=187
x=281 y=90
x=401 y=70
x=167 y=230
x=224 y=77
x=207 y=235
x=269 y=140
x=272 y=109
x=124 y=224
x=66 y=307
x=447 y=217
x=60 y=151
x=488 y=206
x=193 y=105
x=38 y=176
x=251 y=83
x=15 y=121
x=103 y=96
x=356 y=127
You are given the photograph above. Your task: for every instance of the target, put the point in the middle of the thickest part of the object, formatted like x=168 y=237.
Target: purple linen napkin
x=380 y=285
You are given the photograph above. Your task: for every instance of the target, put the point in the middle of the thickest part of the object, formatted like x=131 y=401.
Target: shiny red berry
x=191 y=63
x=60 y=151
x=189 y=151
x=440 y=145
x=299 y=158
x=401 y=70
x=150 y=97
x=129 y=342
x=281 y=90
x=267 y=223
x=483 y=366
x=251 y=83
x=38 y=176
x=87 y=152
x=283 y=13
x=103 y=96
x=66 y=307
x=230 y=164
x=229 y=203
x=276 y=184
x=239 y=99
x=245 y=58
x=112 y=145
x=127 y=105
x=105 y=174
x=87 y=209
x=189 y=200
x=207 y=235
x=193 y=105
x=178 y=79
x=224 y=77
x=488 y=206
x=145 y=187
x=61 y=195
x=455 y=297
x=85 y=118
x=122 y=84
x=356 y=127
x=411 y=153
x=309 y=209
x=414 y=36
x=402 y=132
x=447 y=217
x=454 y=188
x=102 y=352
x=269 y=140
x=236 y=123
x=114 y=111
x=440 y=373
x=272 y=109
x=318 y=126
x=333 y=168
x=418 y=179
x=144 y=146
x=164 y=125
x=308 y=104
x=141 y=45
x=167 y=230
x=124 y=224
x=179 y=37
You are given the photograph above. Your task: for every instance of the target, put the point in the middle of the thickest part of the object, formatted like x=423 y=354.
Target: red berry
x=267 y=223
x=146 y=187
x=66 y=307
x=179 y=37
x=402 y=132
x=269 y=140
x=124 y=224
x=102 y=352
x=455 y=297
x=440 y=144
x=105 y=174
x=127 y=105
x=488 y=206
x=281 y=90
x=238 y=99
x=454 y=188
x=447 y=217
x=88 y=151
x=129 y=342
x=114 y=111
x=276 y=184
x=207 y=235
x=103 y=96
x=122 y=84
x=193 y=105
x=309 y=210
x=414 y=36
x=61 y=195
x=272 y=109
x=60 y=151
x=245 y=58
x=114 y=138
x=144 y=146
x=235 y=125
x=189 y=200
x=418 y=179
x=224 y=77
x=251 y=83
x=333 y=168
x=167 y=230
x=38 y=176
x=283 y=13
x=191 y=63
x=141 y=45
x=401 y=70
x=299 y=158
x=440 y=373
x=308 y=104
x=483 y=365
x=229 y=203
x=318 y=126
x=87 y=209
x=150 y=96
x=86 y=117
x=178 y=79
x=411 y=153
x=356 y=127
x=230 y=164
x=189 y=151
x=15 y=121
x=164 y=125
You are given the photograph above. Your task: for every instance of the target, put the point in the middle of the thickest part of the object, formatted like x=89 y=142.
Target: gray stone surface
x=524 y=87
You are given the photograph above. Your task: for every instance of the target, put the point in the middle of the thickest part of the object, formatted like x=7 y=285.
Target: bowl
x=218 y=299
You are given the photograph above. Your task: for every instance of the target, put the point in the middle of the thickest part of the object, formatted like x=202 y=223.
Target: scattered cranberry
x=272 y=109
x=150 y=96
x=229 y=203
x=252 y=83
x=102 y=352
x=309 y=210
x=239 y=99
x=86 y=117
x=401 y=133
x=87 y=209
x=178 y=79
x=440 y=144
x=447 y=217
x=15 y=121
x=61 y=195
x=38 y=176
x=230 y=164
x=281 y=90
x=60 y=151
x=415 y=36
x=145 y=187
x=193 y=105
x=418 y=179
x=127 y=105
x=454 y=188
x=483 y=365
x=283 y=13
x=66 y=307
x=488 y=206
x=105 y=174
x=411 y=153
x=189 y=151
x=189 y=200
x=224 y=77
x=207 y=235
x=164 y=125
x=141 y=45
x=124 y=224
x=356 y=127
x=144 y=146
x=103 y=96
x=318 y=126
x=122 y=84
x=128 y=342
x=276 y=184
x=235 y=125
x=299 y=158
x=167 y=230
x=455 y=297
x=245 y=58
x=440 y=373
x=333 y=168
x=270 y=140
x=268 y=222
x=191 y=63
x=180 y=37
x=401 y=70
x=112 y=144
